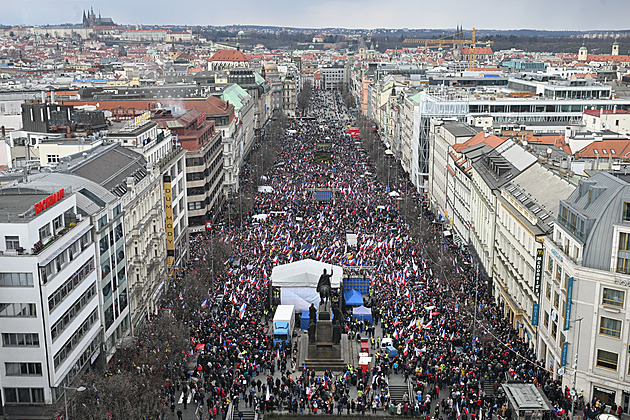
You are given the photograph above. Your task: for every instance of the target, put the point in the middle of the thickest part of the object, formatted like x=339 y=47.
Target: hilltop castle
x=90 y=20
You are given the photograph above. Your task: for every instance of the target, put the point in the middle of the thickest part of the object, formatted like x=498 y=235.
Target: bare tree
x=305 y=96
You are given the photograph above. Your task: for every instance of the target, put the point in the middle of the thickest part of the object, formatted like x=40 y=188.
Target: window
x=550 y=265
x=554 y=329
x=559 y=273
x=195 y=205
x=57 y=223
x=12 y=242
x=117 y=211
x=626 y=212
x=73 y=341
x=102 y=222
x=556 y=299
x=546 y=319
x=52 y=159
x=613 y=297
x=607 y=359
x=16 y=279
x=610 y=327
x=103 y=244
x=44 y=232
x=623 y=265
x=23 y=395
x=20 y=340
x=624 y=241
x=60 y=294
x=72 y=313
x=548 y=291
x=17 y=310
x=566 y=281
x=23 y=369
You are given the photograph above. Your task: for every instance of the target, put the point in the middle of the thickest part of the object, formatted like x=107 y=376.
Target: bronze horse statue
x=324 y=288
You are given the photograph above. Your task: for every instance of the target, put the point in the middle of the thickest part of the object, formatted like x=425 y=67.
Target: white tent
x=304 y=273
x=265 y=189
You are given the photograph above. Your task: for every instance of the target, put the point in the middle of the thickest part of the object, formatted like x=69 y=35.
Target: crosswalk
x=188 y=398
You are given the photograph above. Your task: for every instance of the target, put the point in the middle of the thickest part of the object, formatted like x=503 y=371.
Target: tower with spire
x=582 y=53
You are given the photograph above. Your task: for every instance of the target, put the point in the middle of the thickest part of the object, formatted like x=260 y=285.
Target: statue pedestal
x=323 y=352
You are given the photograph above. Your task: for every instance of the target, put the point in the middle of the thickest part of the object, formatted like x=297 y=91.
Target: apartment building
x=53 y=279
x=584 y=298
x=204 y=168
x=444 y=134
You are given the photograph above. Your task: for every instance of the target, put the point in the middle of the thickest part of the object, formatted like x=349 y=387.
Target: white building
x=526 y=213
x=586 y=275
x=444 y=134
x=49 y=316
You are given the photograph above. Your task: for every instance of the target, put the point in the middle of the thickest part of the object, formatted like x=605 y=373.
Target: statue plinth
x=324 y=348
x=323 y=315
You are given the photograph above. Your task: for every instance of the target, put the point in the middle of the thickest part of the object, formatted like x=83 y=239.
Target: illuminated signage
x=142 y=118
x=538 y=272
x=168 y=209
x=49 y=201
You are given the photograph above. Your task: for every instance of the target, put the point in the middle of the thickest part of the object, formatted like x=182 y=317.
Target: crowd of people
x=427 y=311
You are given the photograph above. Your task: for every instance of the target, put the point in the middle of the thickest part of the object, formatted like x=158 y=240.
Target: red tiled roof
x=606 y=149
x=210 y=106
x=608 y=57
x=557 y=141
x=228 y=55
x=478 y=50
x=492 y=141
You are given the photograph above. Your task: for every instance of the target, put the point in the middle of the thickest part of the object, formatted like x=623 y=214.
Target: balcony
x=38 y=246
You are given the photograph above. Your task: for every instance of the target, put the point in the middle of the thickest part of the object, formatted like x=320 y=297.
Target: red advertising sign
x=208 y=225
x=49 y=201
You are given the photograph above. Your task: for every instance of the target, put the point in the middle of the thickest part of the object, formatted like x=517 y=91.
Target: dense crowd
x=427 y=311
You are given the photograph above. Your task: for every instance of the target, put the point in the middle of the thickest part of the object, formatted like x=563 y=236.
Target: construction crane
x=438 y=42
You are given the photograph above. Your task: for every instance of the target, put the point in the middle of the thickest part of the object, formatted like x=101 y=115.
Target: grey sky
x=486 y=14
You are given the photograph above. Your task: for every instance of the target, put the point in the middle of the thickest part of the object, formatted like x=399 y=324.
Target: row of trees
x=305 y=97
x=422 y=226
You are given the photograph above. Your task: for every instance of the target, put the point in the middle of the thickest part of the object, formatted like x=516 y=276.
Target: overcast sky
x=484 y=14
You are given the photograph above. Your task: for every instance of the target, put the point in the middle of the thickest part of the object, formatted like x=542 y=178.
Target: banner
x=565 y=350
x=168 y=210
x=567 y=314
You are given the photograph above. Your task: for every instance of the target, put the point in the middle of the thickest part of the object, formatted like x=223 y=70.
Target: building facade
x=49 y=318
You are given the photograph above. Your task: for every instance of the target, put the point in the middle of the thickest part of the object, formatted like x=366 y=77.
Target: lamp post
x=65 y=398
x=575 y=365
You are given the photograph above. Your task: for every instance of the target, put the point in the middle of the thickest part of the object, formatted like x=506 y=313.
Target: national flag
x=242 y=311
x=406 y=350
x=429 y=325
x=326 y=379
x=204 y=304
x=457 y=410
x=346 y=376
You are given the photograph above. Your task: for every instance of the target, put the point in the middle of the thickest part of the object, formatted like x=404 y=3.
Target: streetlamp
x=575 y=366
x=65 y=398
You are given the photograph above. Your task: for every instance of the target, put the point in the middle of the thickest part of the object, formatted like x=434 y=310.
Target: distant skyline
x=582 y=15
